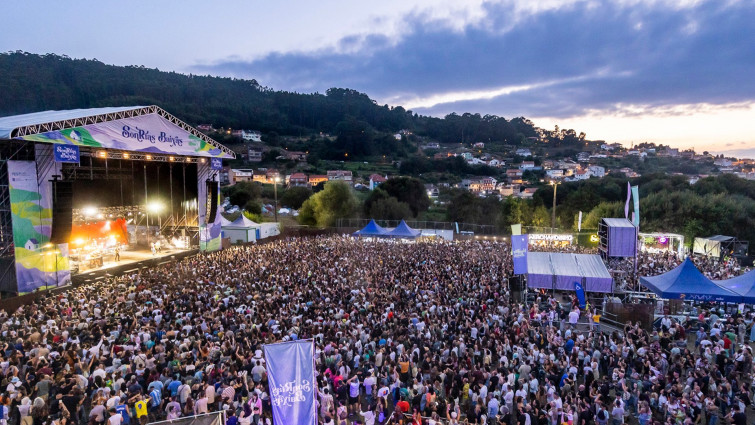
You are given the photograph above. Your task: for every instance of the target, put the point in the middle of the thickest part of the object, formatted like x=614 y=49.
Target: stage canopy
x=147 y=129
x=372 y=229
x=402 y=231
x=743 y=285
x=719 y=246
x=551 y=270
x=688 y=283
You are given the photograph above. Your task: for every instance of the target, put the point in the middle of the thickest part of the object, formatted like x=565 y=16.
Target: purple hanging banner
x=291 y=378
x=519 y=252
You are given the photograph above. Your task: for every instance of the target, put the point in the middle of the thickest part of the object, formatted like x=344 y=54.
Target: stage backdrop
x=38 y=264
x=291 y=378
x=149 y=133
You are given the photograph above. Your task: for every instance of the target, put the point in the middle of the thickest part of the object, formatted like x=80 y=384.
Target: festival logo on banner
x=66 y=153
x=149 y=133
x=291 y=377
x=519 y=252
x=216 y=164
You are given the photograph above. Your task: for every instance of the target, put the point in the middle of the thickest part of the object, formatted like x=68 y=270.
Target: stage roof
x=618 y=222
x=147 y=129
x=553 y=270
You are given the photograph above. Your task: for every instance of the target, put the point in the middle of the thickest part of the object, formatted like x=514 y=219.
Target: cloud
x=556 y=59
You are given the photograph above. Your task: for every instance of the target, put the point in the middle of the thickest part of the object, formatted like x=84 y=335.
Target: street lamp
x=553 y=212
x=275 y=191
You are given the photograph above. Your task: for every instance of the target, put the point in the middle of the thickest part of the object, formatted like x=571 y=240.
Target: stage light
x=89 y=211
x=78 y=241
x=47 y=245
x=155 y=207
x=149 y=157
x=102 y=154
x=125 y=155
x=100 y=216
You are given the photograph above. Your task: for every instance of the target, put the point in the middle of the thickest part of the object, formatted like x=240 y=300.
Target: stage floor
x=131 y=256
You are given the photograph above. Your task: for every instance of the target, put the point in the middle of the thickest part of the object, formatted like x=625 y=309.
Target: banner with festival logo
x=291 y=380
x=39 y=264
x=148 y=133
x=519 y=247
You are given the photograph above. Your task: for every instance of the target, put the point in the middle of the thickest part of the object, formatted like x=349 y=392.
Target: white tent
x=241 y=230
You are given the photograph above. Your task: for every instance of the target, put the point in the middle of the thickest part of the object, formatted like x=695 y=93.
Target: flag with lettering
x=519 y=252
x=629 y=195
x=291 y=380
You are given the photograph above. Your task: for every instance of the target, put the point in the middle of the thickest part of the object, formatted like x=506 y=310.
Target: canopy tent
x=743 y=285
x=687 y=282
x=402 y=231
x=372 y=229
x=241 y=230
x=550 y=270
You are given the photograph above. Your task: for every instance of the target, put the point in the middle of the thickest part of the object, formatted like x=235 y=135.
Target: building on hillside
x=476 y=161
x=496 y=163
x=240 y=175
x=597 y=171
x=251 y=136
x=581 y=174
x=513 y=173
x=628 y=172
x=467 y=156
x=298 y=180
x=523 y=152
x=296 y=156
x=272 y=175
x=527 y=193
x=583 y=156
x=254 y=154
x=236 y=133
x=260 y=176
x=431 y=145
x=205 y=127
x=479 y=145
x=376 y=180
x=316 y=179
x=340 y=175
x=432 y=191
x=527 y=165
x=555 y=173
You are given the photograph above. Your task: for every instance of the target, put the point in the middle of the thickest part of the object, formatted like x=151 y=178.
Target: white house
x=251 y=136
x=496 y=163
x=597 y=171
x=555 y=174
x=475 y=161
x=523 y=152
x=581 y=175
x=31 y=245
x=527 y=165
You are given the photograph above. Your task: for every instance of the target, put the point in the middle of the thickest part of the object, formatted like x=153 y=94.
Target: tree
x=294 y=197
x=242 y=192
x=511 y=212
x=408 y=190
x=335 y=201
x=390 y=209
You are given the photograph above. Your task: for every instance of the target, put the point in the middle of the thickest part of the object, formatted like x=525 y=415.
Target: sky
x=677 y=72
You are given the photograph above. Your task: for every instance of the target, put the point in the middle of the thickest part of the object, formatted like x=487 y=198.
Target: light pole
x=553 y=212
x=275 y=191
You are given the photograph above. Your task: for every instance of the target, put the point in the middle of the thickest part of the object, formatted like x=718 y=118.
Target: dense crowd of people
x=405 y=333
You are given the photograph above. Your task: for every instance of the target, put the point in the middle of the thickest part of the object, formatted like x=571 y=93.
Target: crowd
x=420 y=333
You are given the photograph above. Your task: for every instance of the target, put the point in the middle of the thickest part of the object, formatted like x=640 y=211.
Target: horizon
x=627 y=71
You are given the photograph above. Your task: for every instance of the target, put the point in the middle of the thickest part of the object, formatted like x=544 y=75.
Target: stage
x=129 y=257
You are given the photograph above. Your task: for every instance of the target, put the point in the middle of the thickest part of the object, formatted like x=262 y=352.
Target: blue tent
x=403 y=231
x=371 y=230
x=687 y=282
x=743 y=285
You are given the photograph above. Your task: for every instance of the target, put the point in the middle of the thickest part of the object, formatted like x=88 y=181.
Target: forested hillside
x=31 y=83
